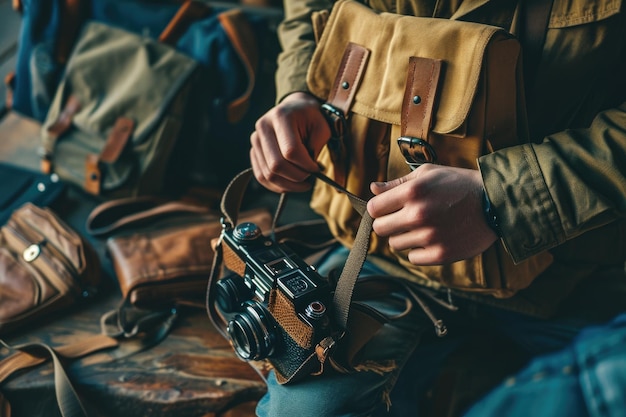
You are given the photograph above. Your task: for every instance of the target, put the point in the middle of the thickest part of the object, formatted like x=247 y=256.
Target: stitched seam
x=427 y=101
x=405 y=119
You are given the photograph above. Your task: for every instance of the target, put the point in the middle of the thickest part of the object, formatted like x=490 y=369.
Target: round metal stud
x=41 y=187
x=31 y=253
x=417 y=100
x=345 y=85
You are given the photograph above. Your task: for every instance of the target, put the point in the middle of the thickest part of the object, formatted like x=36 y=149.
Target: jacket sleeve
x=572 y=182
x=298 y=43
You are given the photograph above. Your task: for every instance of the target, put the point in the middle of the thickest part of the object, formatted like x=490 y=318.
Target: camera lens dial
x=246 y=232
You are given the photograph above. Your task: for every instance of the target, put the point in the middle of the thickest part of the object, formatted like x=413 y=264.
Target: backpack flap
x=117 y=112
x=467 y=52
x=453 y=90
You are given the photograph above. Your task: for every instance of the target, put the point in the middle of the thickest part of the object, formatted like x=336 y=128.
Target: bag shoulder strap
x=115 y=215
x=32 y=354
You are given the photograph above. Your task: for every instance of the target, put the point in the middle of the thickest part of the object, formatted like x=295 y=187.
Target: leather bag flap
x=392 y=39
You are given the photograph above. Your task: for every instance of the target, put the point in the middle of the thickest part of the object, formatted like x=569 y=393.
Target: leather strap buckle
x=416 y=151
x=338 y=132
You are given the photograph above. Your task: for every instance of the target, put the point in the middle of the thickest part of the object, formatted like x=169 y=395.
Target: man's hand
x=286 y=143
x=435 y=212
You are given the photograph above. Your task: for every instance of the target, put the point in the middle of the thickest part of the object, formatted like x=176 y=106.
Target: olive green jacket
x=566 y=191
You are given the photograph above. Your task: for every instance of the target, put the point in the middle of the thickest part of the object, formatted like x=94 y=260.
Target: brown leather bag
x=421 y=90
x=45 y=266
x=164 y=256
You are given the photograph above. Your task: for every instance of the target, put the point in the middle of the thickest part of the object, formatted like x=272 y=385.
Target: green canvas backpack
x=117 y=112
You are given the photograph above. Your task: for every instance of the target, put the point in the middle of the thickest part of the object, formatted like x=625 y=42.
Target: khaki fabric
x=565 y=191
x=114 y=74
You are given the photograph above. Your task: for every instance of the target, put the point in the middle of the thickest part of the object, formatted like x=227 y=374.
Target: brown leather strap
x=56 y=129
x=419 y=97
x=336 y=108
x=93 y=174
x=243 y=40
x=9 y=82
x=64 y=120
x=348 y=77
x=188 y=13
x=117 y=140
x=73 y=13
x=113 y=147
x=114 y=215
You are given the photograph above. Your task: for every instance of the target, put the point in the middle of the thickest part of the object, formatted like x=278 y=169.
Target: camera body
x=276 y=304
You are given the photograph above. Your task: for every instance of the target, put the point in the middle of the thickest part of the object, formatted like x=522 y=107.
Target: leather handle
x=115 y=215
x=243 y=40
x=188 y=13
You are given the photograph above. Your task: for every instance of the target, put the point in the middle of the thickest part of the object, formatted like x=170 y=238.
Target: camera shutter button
x=246 y=231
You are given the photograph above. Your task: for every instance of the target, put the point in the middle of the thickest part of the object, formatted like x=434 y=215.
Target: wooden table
x=193 y=372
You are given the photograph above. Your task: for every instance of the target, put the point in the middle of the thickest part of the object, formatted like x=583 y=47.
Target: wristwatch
x=490 y=215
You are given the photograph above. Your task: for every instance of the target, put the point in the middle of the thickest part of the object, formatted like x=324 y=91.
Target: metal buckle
x=416 y=151
x=336 y=119
x=338 y=129
x=337 y=142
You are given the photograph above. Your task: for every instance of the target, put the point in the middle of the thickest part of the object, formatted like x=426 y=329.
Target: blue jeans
x=417 y=354
x=586 y=378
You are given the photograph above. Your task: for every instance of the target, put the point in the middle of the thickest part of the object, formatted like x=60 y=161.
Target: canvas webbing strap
x=33 y=354
x=230 y=205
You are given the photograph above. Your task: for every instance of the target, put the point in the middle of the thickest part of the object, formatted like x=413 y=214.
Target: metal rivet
x=54 y=178
x=41 y=187
x=417 y=100
x=31 y=253
x=345 y=85
x=94 y=176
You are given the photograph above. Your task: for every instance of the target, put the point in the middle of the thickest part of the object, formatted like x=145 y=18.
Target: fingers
x=271 y=179
x=392 y=197
x=286 y=142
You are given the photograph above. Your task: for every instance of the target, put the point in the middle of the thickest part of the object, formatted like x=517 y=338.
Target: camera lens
x=252 y=332
x=232 y=291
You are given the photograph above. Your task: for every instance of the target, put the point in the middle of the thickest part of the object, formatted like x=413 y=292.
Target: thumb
x=380 y=187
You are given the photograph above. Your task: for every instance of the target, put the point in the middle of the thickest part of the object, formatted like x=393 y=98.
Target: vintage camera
x=276 y=305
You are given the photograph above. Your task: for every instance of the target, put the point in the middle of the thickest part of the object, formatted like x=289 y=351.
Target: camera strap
x=230 y=205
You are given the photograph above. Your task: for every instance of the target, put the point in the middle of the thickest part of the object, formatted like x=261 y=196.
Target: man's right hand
x=286 y=142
